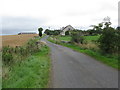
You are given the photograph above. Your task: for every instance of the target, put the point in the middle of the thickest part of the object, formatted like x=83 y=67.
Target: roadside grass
x=33 y=72
x=0 y=70
x=111 y=61
x=108 y=60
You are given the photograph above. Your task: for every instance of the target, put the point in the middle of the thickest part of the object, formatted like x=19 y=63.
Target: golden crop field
x=16 y=40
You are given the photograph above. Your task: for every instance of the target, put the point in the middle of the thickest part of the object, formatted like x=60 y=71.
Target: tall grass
x=32 y=72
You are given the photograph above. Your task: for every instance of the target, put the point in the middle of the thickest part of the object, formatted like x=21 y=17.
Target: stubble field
x=16 y=40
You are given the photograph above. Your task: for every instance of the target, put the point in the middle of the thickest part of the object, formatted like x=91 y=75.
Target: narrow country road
x=71 y=69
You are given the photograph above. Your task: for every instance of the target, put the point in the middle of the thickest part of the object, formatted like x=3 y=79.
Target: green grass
x=90 y=38
x=110 y=61
x=33 y=72
x=113 y=62
x=65 y=38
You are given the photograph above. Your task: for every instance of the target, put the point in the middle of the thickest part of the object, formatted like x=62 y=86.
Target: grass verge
x=33 y=72
x=110 y=61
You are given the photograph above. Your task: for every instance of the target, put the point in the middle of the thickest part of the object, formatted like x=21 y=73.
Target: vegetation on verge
x=26 y=66
x=89 y=48
x=0 y=70
x=10 y=55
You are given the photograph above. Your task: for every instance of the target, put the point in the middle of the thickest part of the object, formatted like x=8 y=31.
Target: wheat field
x=16 y=40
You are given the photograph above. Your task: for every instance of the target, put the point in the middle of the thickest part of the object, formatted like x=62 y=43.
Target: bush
x=7 y=56
x=118 y=42
x=107 y=40
x=10 y=54
x=77 y=37
x=51 y=32
x=32 y=46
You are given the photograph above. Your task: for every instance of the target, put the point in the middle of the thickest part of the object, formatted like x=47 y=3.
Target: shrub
x=77 y=37
x=51 y=32
x=118 y=42
x=7 y=57
x=19 y=52
x=108 y=40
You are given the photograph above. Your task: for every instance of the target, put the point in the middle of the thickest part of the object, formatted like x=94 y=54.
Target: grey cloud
x=107 y=6
x=77 y=13
x=119 y=13
x=13 y=25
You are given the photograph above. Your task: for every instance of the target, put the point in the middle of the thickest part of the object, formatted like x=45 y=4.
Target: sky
x=28 y=15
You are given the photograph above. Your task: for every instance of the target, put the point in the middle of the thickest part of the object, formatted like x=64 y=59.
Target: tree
x=47 y=31
x=118 y=28
x=118 y=41
x=97 y=29
x=40 y=31
x=56 y=32
x=51 y=32
x=108 y=39
x=92 y=32
x=77 y=37
x=107 y=22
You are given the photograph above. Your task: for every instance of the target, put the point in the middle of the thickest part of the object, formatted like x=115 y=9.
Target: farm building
x=26 y=33
x=67 y=28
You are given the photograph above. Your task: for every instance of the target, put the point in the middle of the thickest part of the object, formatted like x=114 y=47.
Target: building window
x=68 y=28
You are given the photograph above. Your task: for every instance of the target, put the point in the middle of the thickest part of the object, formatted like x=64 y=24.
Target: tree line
x=109 y=41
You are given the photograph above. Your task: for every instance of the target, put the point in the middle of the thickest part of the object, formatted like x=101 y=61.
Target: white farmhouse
x=67 y=28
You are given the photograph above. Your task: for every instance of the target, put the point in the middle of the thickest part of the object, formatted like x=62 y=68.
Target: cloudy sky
x=28 y=15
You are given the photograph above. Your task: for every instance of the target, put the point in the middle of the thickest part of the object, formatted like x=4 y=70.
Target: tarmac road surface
x=71 y=69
